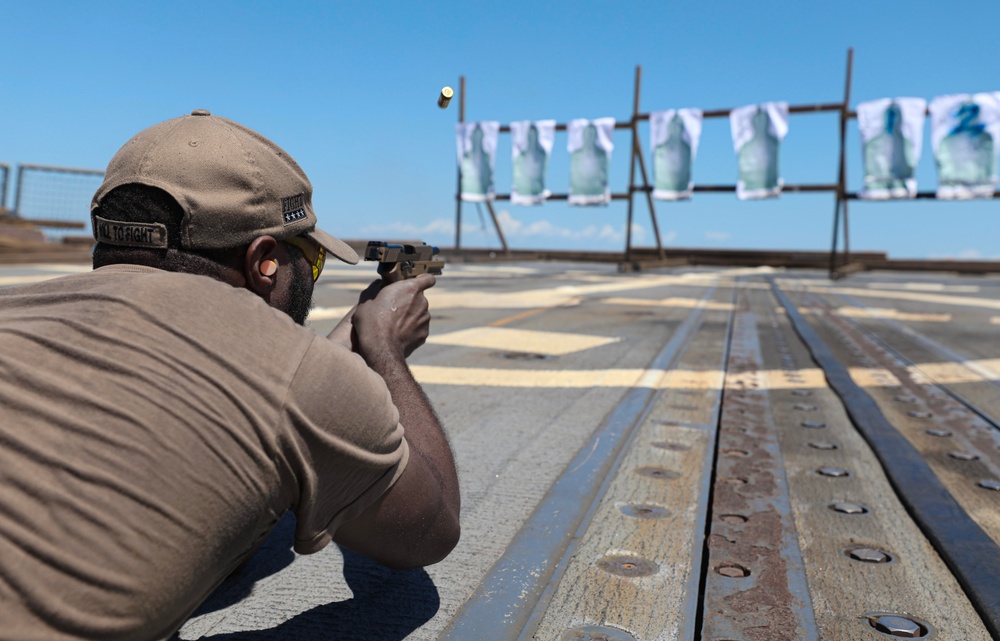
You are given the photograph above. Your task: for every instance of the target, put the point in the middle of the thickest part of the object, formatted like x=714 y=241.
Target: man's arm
x=416 y=522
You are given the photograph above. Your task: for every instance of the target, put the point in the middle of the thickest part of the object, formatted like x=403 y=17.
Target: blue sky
x=349 y=89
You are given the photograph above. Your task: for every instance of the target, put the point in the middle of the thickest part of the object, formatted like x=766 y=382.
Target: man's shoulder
x=187 y=301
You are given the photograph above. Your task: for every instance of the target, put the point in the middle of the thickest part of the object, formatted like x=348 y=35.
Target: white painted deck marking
x=24 y=280
x=60 y=268
x=522 y=340
x=326 y=313
x=961 y=301
x=927 y=287
x=895 y=314
x=883 y=312
x=679 y=302
x=571 y=294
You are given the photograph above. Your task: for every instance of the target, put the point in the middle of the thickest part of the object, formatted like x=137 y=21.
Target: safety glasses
x=313 y=252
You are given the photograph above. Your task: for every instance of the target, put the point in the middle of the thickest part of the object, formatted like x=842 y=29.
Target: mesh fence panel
x=58 y=195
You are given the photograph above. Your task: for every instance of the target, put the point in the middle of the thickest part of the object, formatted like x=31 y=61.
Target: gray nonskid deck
x=678 y=454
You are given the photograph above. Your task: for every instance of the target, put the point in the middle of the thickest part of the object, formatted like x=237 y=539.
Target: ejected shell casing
x=445 y=97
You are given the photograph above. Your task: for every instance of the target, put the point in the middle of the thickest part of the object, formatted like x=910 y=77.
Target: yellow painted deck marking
x=872 y=377
x=639 y=378
x=973 y=371
x=809 y=378
x=522 y=340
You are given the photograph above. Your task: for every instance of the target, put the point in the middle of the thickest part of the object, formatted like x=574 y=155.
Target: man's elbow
x=432 y=548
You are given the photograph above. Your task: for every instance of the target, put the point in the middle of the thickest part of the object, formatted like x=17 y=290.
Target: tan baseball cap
x=233 y=184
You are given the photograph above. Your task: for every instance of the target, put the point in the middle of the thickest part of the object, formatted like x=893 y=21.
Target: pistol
x=397 y=262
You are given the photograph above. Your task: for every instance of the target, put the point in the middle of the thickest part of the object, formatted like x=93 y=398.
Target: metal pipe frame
x=5 y=170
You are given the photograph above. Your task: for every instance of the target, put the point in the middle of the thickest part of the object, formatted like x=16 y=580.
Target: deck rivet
x=937 y=432
x=813 y=424
x=833 y=471
x=657 y=473
x=801 y=392
x=846 y=507
x=823 y=445
x=733 y=571
x=868 y=555
x=804 y=407
x=898 y=626
x=736 y=453
x=596 y=633
x=905 y=399
x=989 y=484
x=919 y=414
x=734 y=519
x=645 y=511
x=735 y=481
x=629 y=566
x=964 y=456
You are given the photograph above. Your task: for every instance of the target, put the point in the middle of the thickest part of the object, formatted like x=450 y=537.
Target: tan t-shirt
x=153 y=427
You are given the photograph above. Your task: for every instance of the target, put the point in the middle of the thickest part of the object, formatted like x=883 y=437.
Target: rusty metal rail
x=511 y=600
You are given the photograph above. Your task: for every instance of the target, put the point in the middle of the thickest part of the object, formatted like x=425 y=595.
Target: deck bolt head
x=823 y=445
x=644 y=511
x=964 y=456
x=869 y=555
x=937 y=432
x=835 y=472
x=801 y=392
x=990 y=484
x=627 y=566
x=805 y=407
x=813 y=424
x=846 y=507
x=902 y=398
x=920 y=414
x=898 y=626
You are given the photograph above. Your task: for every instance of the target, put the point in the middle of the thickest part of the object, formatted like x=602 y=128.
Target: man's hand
x=416 y=522
x=391 y=320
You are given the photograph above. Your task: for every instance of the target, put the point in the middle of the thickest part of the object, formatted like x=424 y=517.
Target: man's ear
x=261 y=265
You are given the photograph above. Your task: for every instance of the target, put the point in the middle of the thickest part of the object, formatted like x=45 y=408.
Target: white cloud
x=718 y=235
x=441 y=226
x=514 y=229
x=965 y=254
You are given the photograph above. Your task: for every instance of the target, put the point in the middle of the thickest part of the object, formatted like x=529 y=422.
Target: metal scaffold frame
x=839 y=264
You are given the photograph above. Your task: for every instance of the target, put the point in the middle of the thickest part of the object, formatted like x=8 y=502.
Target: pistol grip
x=392 y=272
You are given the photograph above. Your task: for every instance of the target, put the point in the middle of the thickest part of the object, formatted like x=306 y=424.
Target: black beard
x=301 y=292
